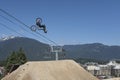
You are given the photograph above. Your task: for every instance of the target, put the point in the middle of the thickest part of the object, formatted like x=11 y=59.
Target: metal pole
x=56 y=55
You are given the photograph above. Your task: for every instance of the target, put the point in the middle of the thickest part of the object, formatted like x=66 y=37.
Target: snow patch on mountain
x=4 y=38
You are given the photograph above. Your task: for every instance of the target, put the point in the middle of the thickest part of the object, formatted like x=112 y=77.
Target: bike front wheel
x=33 y=28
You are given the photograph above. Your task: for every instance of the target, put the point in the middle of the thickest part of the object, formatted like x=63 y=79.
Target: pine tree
x=21 y=58
x=16 y=58
x=10 y=60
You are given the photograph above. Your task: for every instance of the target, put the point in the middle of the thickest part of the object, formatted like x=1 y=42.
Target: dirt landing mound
x=50 y=70
x=113 y=79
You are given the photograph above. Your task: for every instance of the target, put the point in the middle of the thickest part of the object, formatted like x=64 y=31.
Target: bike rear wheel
x=39 y=20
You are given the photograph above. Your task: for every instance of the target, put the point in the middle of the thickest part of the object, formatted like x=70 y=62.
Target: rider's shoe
x=45 y=31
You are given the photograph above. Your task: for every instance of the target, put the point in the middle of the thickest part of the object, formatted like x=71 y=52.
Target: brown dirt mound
x=50 y=70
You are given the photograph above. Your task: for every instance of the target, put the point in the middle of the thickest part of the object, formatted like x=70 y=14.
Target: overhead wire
x=20 y=26
x=11 y=29
x=47 y=38
x=6 y=18
x=11 y=21
x=27 y=26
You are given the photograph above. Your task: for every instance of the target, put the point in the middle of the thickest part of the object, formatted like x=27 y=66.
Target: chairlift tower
x=56 y=50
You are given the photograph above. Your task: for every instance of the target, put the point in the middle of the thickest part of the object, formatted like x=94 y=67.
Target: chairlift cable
x=25 y=24
x=20 y=26
x=11 y=29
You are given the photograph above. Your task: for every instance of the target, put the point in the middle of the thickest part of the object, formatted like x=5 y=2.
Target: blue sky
x=67 y=21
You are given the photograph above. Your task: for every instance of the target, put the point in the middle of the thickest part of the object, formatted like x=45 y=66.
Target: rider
x=38 y=23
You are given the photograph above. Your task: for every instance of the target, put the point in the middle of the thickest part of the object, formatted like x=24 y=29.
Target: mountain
x=96 y=51
x=34 y=49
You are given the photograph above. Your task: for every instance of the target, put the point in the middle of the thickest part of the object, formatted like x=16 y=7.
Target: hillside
x=96 y=51
x=34 y=49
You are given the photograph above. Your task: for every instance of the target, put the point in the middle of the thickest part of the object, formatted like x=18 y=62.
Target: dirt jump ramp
x=50 y=70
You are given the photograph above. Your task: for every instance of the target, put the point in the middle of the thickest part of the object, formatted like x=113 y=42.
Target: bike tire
x=39 y=20
x=33 y=28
